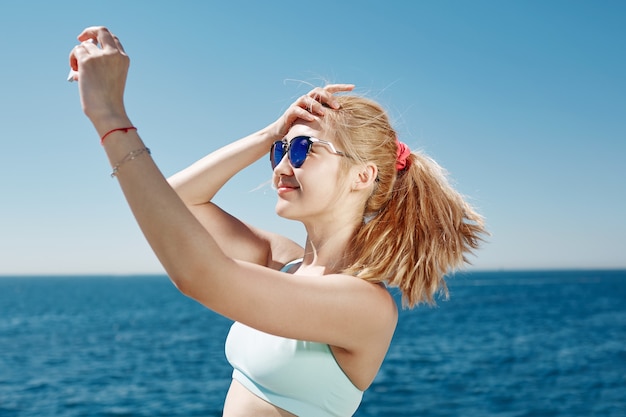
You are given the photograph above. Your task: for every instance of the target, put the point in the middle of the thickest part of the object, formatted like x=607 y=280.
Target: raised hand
x=101 y=67
x=310 y=106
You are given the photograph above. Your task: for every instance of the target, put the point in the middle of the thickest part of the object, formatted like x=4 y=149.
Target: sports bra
x=301 y=377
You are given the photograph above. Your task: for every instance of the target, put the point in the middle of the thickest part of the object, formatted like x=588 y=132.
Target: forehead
x=302 y=128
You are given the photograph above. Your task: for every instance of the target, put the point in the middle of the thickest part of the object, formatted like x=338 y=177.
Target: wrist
x=271 y=133
x=106 y=123
x=112 y=131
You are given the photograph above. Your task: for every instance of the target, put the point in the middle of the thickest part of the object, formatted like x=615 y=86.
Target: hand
x=101 y=74
x=310 y=106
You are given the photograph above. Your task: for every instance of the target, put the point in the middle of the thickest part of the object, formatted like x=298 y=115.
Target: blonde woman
x=312 y=324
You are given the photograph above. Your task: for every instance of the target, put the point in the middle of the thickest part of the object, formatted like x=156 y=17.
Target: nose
x=284 y=167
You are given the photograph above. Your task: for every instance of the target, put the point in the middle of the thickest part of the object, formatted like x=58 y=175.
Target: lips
x=284 y=187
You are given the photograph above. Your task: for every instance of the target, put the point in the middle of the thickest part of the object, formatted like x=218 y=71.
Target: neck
x=326 y=249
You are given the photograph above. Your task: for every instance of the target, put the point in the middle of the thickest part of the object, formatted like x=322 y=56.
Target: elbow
x=186 y=283
x=176 y=184
x=203 y=284
x=181 y=285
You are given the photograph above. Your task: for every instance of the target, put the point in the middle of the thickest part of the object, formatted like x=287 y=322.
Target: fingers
x=78 y=50
x=312 y=105
x=98 y=34
x=337 y=88
x=324 y=95
x=309 y=107
x=89 y=40
x=118 y=44
x=73 y=60
x=102 y=36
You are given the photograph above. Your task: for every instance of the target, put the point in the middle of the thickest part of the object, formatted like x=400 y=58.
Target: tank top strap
x=288 y=265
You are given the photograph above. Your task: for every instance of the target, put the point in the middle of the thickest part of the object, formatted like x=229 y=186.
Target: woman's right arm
x=198 y=184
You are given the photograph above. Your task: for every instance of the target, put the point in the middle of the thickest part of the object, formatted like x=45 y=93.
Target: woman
x=313 y=324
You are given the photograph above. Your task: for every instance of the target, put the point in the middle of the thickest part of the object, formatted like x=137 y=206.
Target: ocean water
x=506 y=344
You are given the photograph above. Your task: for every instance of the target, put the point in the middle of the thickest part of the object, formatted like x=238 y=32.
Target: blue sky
x=524 y=103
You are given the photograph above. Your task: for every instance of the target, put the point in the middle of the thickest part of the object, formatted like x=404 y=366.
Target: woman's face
x=314 y=190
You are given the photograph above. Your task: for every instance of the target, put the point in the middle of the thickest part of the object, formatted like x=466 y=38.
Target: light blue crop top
x=298 y=376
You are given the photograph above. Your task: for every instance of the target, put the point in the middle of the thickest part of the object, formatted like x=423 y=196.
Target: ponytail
x=417 y=228
x=423 y=232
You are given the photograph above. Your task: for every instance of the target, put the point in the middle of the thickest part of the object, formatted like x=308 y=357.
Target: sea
x=505 y=344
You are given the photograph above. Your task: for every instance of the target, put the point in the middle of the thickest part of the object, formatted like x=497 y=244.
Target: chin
x=285 y=210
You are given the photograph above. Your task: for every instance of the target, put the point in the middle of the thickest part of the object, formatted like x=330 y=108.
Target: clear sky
x=523 y=102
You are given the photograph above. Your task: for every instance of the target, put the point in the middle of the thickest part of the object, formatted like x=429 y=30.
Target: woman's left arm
x=299 y=307
x=174 y=234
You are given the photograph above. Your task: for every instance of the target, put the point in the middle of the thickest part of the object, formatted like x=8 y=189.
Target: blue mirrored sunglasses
x=297 y=150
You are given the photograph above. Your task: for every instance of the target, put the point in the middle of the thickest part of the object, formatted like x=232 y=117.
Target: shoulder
x=369 y=334
x=369 y=307
x=383 y=303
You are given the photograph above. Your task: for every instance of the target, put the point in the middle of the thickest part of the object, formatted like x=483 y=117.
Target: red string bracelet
x=119 y=129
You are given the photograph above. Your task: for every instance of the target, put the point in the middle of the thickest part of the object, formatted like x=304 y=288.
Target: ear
x=364 y=177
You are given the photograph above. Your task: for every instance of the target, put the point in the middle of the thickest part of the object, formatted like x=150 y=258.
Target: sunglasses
x=297 y=150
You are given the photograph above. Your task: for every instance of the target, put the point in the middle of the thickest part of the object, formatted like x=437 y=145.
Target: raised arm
x=198 y=184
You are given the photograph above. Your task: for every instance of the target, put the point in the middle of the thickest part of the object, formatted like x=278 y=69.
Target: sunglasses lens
x=299 y=150
x=277 y=153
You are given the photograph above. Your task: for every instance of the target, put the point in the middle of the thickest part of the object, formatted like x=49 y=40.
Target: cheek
x=323 y=187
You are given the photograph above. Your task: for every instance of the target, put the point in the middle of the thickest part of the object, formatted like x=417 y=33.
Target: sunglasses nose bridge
x=284 y=159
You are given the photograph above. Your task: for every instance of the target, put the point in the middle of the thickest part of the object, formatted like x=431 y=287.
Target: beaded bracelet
x=119 y=129
x=131 y=155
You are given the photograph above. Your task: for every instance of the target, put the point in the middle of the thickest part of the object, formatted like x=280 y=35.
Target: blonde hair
x=417 y=228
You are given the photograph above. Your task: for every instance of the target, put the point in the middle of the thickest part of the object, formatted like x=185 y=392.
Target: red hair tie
x=402 y=153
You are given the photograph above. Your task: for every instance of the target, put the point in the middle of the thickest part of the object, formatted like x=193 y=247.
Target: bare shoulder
x=382 y=310
x=362 y=353
x=364 y=312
